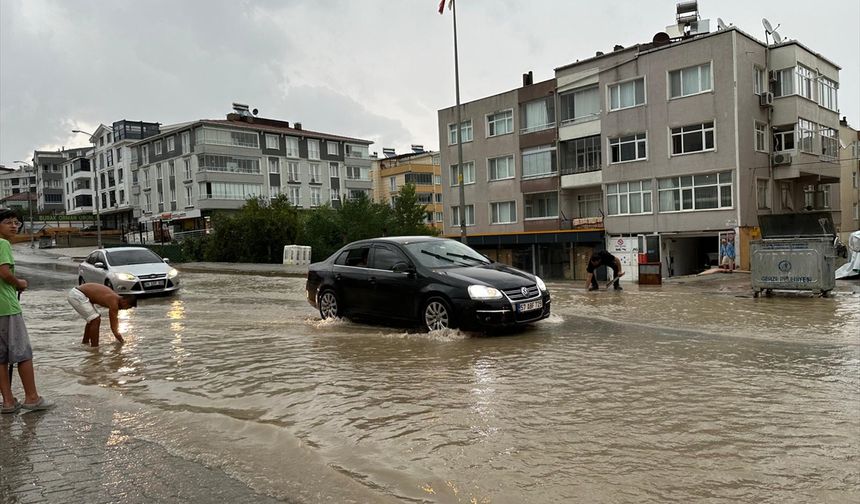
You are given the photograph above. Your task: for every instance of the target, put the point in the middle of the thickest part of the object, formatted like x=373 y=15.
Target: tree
x=409 y=214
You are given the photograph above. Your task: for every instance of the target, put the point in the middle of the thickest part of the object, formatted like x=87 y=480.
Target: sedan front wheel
x=436 y=314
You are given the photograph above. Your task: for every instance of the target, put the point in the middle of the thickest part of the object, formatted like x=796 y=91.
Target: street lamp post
x=30 y=201
x=97 y=197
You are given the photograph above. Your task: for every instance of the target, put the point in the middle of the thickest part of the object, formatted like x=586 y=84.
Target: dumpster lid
x=796 y=225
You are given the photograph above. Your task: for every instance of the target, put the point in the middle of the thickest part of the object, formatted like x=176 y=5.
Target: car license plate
x=531 y=305
x=156 y=283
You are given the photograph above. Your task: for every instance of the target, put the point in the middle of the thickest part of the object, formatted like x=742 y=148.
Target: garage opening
x=691 y=255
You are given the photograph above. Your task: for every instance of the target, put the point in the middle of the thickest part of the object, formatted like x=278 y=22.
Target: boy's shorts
x=81 y=303
x=14 y=341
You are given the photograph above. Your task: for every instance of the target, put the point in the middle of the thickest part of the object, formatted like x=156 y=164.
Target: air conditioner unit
x=781 y=159
x=773 y=75
x=766 y=99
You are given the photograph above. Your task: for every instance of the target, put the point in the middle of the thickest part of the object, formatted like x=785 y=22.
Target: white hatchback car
x=129 y=270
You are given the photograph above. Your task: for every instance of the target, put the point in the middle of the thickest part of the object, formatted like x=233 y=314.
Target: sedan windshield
x=444 y=254
x=126 y=257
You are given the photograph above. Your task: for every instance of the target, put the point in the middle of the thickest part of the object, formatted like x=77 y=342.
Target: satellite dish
x=720 y=24
x=767 y=27
x=777 y=38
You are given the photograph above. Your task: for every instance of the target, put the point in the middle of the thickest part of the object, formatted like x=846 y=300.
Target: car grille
x=148 y=277
x=516 y=293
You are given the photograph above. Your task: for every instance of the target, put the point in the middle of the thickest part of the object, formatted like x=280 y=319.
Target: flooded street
x=694 y=393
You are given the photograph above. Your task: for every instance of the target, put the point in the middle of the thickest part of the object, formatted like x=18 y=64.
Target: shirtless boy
x=85 y=296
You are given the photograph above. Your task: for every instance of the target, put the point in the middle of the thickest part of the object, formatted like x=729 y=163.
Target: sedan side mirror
x=402 y=267
x=100 y=265
x=167 y=260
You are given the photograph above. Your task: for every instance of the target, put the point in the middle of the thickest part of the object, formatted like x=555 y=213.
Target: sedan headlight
x=128 y=277
x=484 y=292
x=172 y=273
x=540 y=284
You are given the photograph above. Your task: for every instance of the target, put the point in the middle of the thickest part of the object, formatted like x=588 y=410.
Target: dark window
x=384 y=258
x=353 y=257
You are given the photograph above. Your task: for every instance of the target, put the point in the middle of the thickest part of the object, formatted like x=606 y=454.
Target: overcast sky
x=373 y=69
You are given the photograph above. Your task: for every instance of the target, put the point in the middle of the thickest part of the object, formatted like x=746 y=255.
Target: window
x=419 y=178
x=580 y=104
x=334 y=195
x=689 y=81
x=109 y=157
x=581 y=155
x=589 y=204
x=272 y=142
x=392 y=184
x=274 y=165
x=292 y=147
x=805 y=82
x=627 y=94
x=157 y=145
x=313 y=149
x=331 y=148
x=228 y=164
x=500 y=123
x=762 y=192
x=539 y=162
x=295 y=196
x=856 y=211
x=784 y=84
x=316 y=198
x=696 y=192
x=315 y=173
x=185 y=138
x=816 y=197
x=187 y=165
x=171 y=172
x=541 y=205
x=468 y=174
x=827 y=93
x=500 y=168
x=538 y=115
x=829 y=143
x=385 y=257
x=625 y=198
x=466 y=126
x=171 y=144
x=786 y=197
x=758 y=80
x=855 y=179
x=629 y=148
x=334 y=170
x=470 y=215
x=229 y=191
x=118 y=154
x=503 y=212
x=783 y=138
x=806 y=135
x=355 y=151
x=760 y=136
x=694 y=138
x=357 y=173
x=293 y=172
x=274 y=191
x=189 y=195
x=212 y=136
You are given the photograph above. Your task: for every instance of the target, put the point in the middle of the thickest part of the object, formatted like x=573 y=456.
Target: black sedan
x=436 y=282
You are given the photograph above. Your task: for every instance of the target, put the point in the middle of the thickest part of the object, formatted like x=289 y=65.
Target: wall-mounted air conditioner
x=781 y=159
x=766 y=99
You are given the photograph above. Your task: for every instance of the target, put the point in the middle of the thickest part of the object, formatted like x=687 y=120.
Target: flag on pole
x=442 y=5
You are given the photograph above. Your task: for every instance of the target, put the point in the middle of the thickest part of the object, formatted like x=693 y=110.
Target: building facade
x=673 y=145
x=22 y=180
x=848 y=191
x=184 y=173
x=49 y=178
x=418 y=167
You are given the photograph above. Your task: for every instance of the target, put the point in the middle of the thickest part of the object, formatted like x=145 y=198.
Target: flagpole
x=459 y=131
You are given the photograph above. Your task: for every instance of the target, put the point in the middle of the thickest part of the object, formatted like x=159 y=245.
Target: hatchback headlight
x=172 y=273
x=484 y=292
x=540 y=284
x=128 y=277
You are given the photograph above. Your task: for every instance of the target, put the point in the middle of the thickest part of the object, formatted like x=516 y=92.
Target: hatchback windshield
x=126 y=257
x=444 y=254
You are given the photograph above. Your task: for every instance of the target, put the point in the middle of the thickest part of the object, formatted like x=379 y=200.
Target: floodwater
x=688 y=393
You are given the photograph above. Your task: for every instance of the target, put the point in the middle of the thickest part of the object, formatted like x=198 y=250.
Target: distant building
x=184 y=173
x=847 y=193
x=419 y=167
x=49 y=177
x=15 y=181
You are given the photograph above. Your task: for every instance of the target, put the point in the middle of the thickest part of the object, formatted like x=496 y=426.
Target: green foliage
x=260 y=229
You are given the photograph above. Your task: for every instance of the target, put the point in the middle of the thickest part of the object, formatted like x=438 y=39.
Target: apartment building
x=49 y=177
x=848 y=191
x=674 y=143
x=183 y=174
x=420 y=168
x=103 y=177
x=16 y=181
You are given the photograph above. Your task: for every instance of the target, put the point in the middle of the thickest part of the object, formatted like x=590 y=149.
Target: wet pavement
x=693 y=391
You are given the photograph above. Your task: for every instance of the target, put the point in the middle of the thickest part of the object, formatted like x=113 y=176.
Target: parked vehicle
x=129 y=270
x=438 y=283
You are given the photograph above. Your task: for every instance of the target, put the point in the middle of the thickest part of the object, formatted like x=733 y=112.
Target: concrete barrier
x=297 y=255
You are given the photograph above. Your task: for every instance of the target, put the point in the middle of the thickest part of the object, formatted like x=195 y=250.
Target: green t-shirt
x=9 y=304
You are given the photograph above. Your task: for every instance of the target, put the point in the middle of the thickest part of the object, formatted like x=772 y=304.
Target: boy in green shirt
x=14 y=341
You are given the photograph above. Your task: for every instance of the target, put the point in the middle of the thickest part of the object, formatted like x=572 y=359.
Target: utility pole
x=453 y=6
